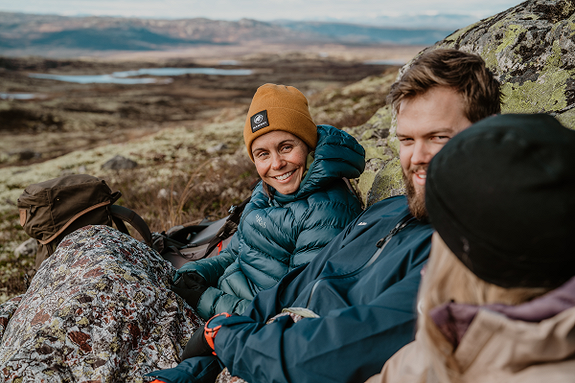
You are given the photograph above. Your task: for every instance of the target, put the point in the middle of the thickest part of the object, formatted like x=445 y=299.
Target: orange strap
x=210 y=333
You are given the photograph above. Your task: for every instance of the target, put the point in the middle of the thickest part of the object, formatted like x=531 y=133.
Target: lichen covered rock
x=531 y=50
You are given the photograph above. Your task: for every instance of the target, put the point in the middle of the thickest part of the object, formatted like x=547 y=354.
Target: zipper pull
x=382 y=241
x=399 y=228
x=393 y=232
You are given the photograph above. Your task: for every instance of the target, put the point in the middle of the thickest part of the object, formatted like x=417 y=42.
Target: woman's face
x=280 y=159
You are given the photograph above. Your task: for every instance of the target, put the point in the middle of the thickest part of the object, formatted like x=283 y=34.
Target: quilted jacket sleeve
x=215 y=301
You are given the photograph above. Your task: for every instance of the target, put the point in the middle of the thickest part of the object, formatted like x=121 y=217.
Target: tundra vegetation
x=184 y=136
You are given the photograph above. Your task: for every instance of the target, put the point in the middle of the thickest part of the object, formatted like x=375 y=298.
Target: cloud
x=258 y=9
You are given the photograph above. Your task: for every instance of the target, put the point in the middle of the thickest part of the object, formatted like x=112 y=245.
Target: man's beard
x=415 y=200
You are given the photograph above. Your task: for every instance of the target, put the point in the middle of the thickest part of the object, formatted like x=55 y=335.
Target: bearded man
x=343 y=315
x=442 y=93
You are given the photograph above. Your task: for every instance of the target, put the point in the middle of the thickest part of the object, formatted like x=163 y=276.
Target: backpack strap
x=121 y=214
x=353 y=191
x=229 y=228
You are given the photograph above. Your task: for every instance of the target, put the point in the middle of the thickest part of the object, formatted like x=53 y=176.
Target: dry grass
x=207 y=192
x=179 y=179
x=13 y=269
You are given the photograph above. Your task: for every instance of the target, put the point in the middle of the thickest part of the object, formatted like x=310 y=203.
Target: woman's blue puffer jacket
x=279 y=233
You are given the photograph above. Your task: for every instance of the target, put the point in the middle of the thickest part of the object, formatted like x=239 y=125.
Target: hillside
x=48 y=35
x=185 y=135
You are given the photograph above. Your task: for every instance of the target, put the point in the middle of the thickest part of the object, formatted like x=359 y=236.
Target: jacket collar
x=453 y=319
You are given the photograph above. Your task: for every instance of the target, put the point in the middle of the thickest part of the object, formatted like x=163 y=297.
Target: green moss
x=393 y=144
x=380 y=120
x=493 y=47
x=366 y=135
x=511 y=33
x=489 y=56
x=451 y=39
x=365 y=183
x=386 y=183
x=554 y=60
x=375 y=152
x=527 y=98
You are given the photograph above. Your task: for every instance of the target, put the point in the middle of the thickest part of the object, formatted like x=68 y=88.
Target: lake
x=17 y=96
x=126 y=77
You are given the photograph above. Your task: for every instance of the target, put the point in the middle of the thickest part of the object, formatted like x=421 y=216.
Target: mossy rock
x=375 y=136
x=387 y=182
x=529 y=48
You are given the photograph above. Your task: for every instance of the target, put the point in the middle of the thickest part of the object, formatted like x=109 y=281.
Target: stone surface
x=118 y=162
x=217 y=148
x=531 y=50
x=26 y=154
x=27 y=248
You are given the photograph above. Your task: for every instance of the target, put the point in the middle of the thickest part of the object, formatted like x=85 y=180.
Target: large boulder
x=531 y=50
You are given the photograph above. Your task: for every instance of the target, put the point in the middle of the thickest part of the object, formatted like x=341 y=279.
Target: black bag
x=52 y=209
x=190 y=242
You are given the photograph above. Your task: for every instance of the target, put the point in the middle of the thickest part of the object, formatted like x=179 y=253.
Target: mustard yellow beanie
x=279 y=107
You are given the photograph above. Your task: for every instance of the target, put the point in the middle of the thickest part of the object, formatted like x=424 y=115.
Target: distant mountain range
x=365 y=34
x=417 y=21
x=24 y=32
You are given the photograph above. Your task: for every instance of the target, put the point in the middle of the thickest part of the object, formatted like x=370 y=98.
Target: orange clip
x=210 y=333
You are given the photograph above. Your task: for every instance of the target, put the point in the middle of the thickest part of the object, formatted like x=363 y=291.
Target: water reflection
x=124 y=77
x=17 y=96
x=96 y=79
x=182 y=71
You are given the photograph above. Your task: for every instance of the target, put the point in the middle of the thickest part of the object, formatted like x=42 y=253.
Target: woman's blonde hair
x=447 y=279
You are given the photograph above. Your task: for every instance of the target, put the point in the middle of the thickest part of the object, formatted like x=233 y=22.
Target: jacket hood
x=544 y=315
x=337 y=155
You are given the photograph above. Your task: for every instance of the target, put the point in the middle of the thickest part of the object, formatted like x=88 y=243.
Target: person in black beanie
x=497 y=302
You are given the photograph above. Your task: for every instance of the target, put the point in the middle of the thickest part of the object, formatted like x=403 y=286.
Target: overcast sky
x=264 y=10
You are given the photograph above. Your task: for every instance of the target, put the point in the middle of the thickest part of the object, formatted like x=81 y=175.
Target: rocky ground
x=185 y=135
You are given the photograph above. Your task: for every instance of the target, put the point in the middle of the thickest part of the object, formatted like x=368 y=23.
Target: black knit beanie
x=501 y=194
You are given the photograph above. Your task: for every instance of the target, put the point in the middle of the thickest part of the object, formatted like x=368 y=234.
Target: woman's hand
x=190 y=286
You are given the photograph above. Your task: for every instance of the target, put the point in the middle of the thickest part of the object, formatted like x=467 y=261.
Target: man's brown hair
x=462 y=71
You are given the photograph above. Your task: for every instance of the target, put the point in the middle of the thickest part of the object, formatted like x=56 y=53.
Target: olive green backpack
x=52 y=209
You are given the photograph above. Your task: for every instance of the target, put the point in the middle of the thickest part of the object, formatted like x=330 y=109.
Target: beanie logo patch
x=259 y=121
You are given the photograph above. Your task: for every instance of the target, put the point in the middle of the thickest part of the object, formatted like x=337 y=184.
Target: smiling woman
x=300 y=205
x=280 y=159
